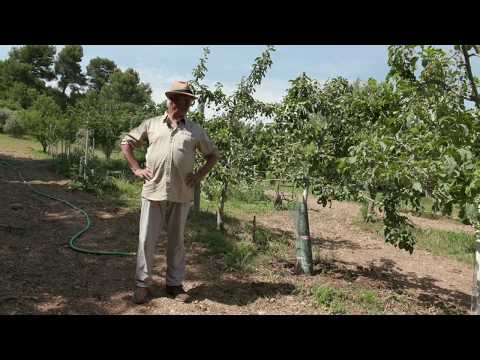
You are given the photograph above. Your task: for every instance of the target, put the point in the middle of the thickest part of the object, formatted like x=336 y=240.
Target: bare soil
x=42 y=275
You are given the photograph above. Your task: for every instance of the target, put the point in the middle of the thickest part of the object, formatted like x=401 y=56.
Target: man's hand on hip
x=144 y=173
x=193 y=179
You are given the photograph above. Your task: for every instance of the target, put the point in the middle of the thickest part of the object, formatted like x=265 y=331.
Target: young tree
x=436 y=93
x=13 y=125
x=42 y=121
x=5 y=113
x=228 y=131
x=107 y=118
x=201 y=91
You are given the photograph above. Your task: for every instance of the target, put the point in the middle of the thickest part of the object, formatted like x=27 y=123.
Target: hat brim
x=169 y=93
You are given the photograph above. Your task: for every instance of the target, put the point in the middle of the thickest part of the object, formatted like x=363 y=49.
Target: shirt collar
x=167 y=121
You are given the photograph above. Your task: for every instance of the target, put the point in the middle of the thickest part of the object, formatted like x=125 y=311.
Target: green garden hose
x=73 y=240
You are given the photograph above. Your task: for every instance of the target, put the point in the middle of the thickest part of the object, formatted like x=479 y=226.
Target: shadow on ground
x=239 y=293
x=385 y=274
x=332 y=244
x=42 y=275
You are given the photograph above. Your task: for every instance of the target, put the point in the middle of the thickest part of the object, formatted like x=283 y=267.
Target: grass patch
x=240 y=257
x=426 y=211
x=127 y=193
x=275 y=245
x=457 y=245
x=237 y=254
x=369 y=301
x=235 y=244
x=26 y=144
x=246 y=199
x=255 y=207
x=460 y=246
x=352 y=299
x=331 y=299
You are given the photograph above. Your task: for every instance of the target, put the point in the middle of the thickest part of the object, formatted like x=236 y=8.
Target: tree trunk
x=278 y=198
x=476 y=305
x=476 y=286
x=220 y=211
x=371 y=203
x=196 y=198
x=108 y=152
x=471 y=78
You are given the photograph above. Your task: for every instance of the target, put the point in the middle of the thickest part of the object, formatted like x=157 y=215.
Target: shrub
x=14 y=126
x=4 y=115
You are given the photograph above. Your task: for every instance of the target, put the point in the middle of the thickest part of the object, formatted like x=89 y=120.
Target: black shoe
x=178 y=293
x=141 y=295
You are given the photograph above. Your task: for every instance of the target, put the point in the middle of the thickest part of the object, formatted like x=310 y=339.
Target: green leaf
x=417 y=186
x=465 y=155
x=465 y=129
x=451 y=164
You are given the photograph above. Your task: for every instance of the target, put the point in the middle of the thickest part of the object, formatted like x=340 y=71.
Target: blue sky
x=159 y=65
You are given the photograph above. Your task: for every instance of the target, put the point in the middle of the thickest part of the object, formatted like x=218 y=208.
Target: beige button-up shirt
x=170 y=156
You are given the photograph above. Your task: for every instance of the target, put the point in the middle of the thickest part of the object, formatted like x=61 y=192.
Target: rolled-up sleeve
x=136 y=136
x=206 y=145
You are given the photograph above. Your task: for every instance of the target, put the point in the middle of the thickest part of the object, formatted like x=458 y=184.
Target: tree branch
x=474 y=96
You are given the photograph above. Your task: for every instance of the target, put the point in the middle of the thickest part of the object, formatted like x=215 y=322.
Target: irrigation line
x=73 y=240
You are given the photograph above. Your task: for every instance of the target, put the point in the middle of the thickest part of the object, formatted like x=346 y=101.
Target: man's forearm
x=205 y=169
x=128 y=153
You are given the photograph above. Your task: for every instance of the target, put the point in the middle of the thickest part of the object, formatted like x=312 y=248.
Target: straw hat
x=180 y=88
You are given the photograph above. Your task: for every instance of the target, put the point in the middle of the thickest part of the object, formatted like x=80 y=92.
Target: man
x=168 y=187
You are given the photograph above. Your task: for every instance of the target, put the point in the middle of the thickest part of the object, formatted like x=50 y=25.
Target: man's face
x=179 y=105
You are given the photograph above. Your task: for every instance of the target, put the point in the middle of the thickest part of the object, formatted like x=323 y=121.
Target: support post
x=476 y=285
x=304 y=262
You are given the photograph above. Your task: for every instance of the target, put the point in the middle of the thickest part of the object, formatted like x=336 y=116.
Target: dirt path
x=41 y=275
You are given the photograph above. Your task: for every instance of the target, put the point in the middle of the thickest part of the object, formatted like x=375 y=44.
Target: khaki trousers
x=158 y=217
